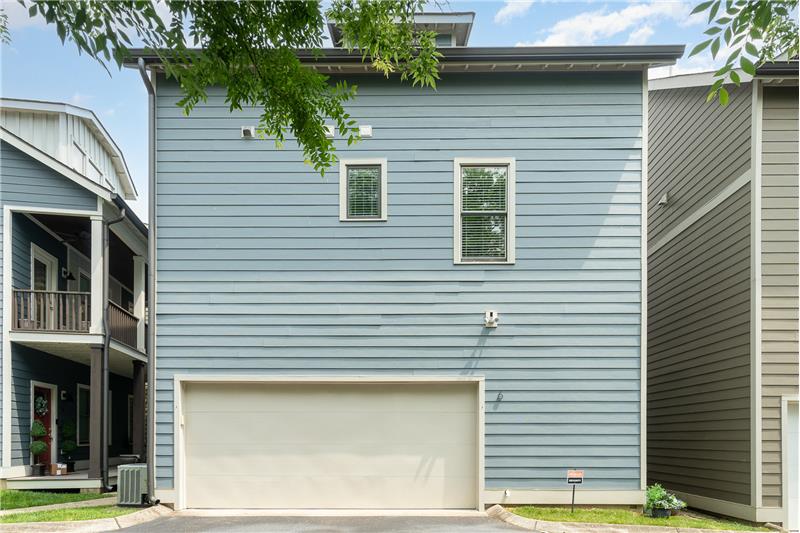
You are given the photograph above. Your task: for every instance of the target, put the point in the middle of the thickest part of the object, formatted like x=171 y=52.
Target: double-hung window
x=362 y=190
x=484 y=210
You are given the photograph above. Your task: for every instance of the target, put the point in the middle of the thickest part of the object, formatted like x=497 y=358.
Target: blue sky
x=36 y=65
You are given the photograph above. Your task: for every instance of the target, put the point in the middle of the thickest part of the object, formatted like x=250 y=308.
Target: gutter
x=651 y=55
x=150 y=341
x=106 y=347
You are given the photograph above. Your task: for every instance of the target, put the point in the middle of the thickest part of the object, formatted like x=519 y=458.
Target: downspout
x=150 y=341
x=106 y=346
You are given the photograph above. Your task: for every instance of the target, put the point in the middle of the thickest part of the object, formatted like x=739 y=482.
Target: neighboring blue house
x=66 y=253
x=451 y=318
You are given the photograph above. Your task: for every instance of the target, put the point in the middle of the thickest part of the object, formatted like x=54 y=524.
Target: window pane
x=443 y=39
x=39 y=275
x=483 y=237
x=483 y=188
x=364 y=192
x=83 y=416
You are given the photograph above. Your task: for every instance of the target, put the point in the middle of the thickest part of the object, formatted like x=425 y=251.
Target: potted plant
x=68 y=444
x=38 y=446
x=660 y=503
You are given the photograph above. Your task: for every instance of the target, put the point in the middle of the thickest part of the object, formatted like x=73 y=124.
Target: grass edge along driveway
x=18 y=499
x=630 y=517
x=68 y=515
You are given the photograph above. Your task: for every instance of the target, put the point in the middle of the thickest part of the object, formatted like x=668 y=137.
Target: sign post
x=574 y=478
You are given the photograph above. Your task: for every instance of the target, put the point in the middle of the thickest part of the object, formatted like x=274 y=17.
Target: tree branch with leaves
x=755 y=31
x=249 y=47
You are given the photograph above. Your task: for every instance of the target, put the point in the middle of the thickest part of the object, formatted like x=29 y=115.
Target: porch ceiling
x=119 y=362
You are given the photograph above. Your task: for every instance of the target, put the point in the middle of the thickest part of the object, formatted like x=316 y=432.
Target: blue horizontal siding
x=27 y=182
x=257 y=275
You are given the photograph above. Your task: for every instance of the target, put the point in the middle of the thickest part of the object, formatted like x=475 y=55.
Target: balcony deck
x=68 y=312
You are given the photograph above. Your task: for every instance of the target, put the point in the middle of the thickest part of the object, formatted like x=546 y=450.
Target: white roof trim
x=53 y=163
x=697 y=79
x=129 y=189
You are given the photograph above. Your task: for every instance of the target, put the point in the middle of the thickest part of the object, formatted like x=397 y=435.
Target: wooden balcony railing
x=59 y=311
x=122 y=325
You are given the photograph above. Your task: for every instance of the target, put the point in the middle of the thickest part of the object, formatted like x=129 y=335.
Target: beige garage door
x=333 y=445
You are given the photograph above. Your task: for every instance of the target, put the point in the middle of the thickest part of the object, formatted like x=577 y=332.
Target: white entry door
x=331 y=445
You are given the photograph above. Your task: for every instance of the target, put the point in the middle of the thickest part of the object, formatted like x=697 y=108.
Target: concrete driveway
x=318 y=524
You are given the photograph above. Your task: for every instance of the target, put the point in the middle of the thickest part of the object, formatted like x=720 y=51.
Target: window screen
x=83 y=416
x=484 y=213
x=364 y=191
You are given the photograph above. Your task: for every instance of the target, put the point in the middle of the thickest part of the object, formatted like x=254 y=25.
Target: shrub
x=38 y=430
x=68 y=430
x=660 y=498
x=68 y=446
x=38 y=447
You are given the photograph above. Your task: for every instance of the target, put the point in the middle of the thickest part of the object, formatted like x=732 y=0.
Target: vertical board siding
x=696 y=150
x=38 y=129
x=699 y=295
x=80 y=132
x=258 y=276
x=25 y=181
x=779 y=280
x=42 y=130
x=698 y=366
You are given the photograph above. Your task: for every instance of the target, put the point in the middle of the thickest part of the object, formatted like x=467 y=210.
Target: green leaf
x=735 y=78
x=712 y=31
x=747 y=66
x=723 y=96
x=699 y=48
x=32 y=11
x=702 y=6
x=751 y=49
x=713 y=12
x=715 y=47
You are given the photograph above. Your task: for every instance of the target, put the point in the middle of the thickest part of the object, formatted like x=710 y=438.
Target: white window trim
x=48 y=259
x=78 y=440
x=511 y=163
x=343 y=164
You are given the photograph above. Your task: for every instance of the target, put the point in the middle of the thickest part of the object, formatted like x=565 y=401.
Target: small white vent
x=248 y=132
x=330 y=131
x=365 y=131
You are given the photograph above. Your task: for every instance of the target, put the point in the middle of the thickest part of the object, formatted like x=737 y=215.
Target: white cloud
x=80 y=99
x=512 y=9
x=641 y=35
x=18 y=17
x=589 y=27
x=692 y=65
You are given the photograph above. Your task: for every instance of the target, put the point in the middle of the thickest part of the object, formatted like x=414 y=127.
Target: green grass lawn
x=64 y=515
x=17 y=499
x=629 y=516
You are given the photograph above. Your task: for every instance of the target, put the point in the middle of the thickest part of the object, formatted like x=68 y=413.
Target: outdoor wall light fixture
x=490 y=319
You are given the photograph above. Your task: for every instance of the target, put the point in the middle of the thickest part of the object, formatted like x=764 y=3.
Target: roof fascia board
x=54 y=164
x=661 y=55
